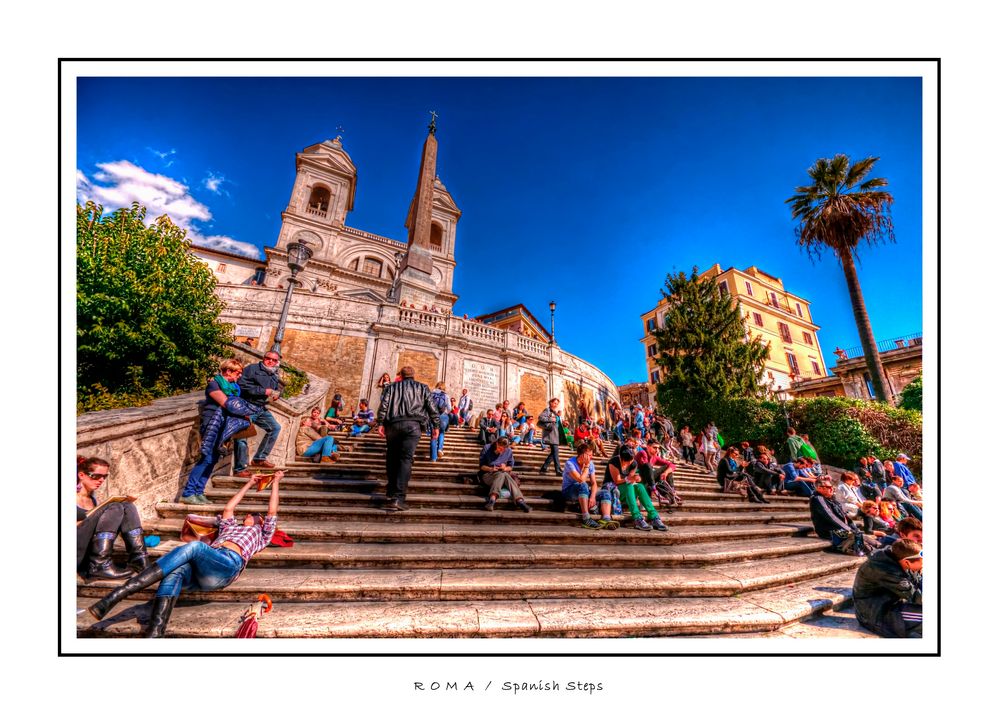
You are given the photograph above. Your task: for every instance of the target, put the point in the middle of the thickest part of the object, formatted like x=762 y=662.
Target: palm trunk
x=871 y=355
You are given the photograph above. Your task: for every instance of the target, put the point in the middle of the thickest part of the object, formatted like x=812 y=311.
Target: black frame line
x=939 y=435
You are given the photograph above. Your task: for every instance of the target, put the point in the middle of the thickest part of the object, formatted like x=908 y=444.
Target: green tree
x=147 y=313
x=841 y=208
x=912 y=395
x=705 y=350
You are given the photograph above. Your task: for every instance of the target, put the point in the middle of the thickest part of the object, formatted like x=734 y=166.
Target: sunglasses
x=94 y=475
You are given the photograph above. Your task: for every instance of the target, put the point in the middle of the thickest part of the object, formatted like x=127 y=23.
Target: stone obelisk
x=416 y=284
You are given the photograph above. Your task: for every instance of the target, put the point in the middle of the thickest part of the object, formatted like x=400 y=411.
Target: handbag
x=246 y=433
x=199 y=528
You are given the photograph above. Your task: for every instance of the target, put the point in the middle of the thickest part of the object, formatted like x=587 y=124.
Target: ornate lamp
x=551 y=306
x=298 y=255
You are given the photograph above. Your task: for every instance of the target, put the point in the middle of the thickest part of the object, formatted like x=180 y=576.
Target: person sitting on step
x=520 y=413
x=848 y=494
x=197 y=566
x=622 y=473
x=579 y=486
x=767 y=474
x=887 y=591
x=488 y=428
x=529 y=434
x=496 y=473
x=313 y=440
x=364 y=420
x=732 y=478
x=908 y=528
x=797 y=480
x=98 y=526
x=874 y=525
x=906 y=504
x=832 y=523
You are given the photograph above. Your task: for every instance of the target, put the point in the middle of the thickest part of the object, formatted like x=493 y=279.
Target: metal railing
x=906 y=341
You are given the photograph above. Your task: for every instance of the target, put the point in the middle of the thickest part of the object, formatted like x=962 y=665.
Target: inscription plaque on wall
x=482 y=382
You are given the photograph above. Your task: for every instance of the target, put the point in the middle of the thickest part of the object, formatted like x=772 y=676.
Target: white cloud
x=213 y=182
x=163 y=155
x=117 y=184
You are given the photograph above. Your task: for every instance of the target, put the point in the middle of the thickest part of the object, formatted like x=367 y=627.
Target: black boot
x=162 y=608
x=135 y=584
x=100 y=565
x=135 y=545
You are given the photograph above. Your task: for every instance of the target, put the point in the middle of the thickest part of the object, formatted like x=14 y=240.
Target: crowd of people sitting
x=874 y=509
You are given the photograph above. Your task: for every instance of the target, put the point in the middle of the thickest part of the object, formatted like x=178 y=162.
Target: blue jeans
x=265 y=420
x=437 y=445
x=198 y=567
x=200 y=474
x=324 y=446
x=802 y=489
x=359 y=429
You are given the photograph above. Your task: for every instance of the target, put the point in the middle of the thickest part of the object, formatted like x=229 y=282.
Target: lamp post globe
x=298 y=256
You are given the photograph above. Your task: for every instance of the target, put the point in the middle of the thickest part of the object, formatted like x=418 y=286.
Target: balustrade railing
x=906 y=341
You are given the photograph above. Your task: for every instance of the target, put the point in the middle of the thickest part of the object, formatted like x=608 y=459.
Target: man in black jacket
x=404 y=413
x=259 y=385
x=832 y=523
x=887 y=591
x=550 y=422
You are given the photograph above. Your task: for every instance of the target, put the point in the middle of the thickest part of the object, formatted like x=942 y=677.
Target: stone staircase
x=447 y=568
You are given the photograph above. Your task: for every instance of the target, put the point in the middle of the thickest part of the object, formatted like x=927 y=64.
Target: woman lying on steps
x=197 y=566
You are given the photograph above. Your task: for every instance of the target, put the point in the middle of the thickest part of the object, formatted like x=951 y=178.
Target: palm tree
x=838 y=211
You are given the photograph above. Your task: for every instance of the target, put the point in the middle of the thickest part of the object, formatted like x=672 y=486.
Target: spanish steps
x=447 y=568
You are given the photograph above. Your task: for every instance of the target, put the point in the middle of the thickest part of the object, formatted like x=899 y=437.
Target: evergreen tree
x=147 y=313
x=912 y=395
x=704 y=350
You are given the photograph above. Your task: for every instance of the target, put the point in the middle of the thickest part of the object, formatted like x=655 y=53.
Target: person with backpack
x=465 y=409
x=443 y=404
x=887 y=591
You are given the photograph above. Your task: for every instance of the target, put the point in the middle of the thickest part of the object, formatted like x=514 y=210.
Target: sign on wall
x=482 y=381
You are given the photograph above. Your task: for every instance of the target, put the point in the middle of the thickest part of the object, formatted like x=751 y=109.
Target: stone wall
x=337 y=358
x=425 y=365
x=151 y=449
x=534 y=393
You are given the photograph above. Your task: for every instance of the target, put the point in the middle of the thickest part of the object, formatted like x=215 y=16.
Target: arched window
x=353 y=264
x=319 y=201
x=436 y=237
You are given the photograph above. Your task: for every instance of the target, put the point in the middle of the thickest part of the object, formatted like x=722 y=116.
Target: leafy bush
x=293 y=379
x=147 y=313
x=840 y=429
x=912 y=395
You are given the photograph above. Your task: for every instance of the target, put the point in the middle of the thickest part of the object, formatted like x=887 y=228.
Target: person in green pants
x=622 y=472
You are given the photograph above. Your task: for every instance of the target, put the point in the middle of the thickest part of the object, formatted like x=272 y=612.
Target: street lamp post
x=298 y=255
x=551 y=307
x=782 y=398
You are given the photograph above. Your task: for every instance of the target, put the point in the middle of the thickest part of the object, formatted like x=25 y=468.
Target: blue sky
x=585 y=190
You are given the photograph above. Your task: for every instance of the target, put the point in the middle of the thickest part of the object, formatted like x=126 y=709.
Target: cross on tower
x=433 y=122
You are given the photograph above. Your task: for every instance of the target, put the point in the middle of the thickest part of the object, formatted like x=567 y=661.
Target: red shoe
x=244 y=474
x=262 y=463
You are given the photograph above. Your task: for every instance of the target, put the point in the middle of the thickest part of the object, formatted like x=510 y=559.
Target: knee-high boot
x=135 y=545
x=100 y=564
x=135 y=584
x=160 y=616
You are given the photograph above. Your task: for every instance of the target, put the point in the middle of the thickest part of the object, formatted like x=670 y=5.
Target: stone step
x=305 y=554
x=505 y=514
x=760 y=611
x=724 y=579
x=417 y=500
x=499 y=533
x=429 y=486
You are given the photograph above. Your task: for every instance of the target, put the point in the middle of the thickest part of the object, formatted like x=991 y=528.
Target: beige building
x=902 y=359
x=782 y=319
x=232 y=267
x=637 y=393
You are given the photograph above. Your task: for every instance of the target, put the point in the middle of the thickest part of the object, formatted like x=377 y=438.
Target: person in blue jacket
x=260 y=385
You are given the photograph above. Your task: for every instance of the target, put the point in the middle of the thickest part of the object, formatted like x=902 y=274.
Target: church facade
x=366 y=305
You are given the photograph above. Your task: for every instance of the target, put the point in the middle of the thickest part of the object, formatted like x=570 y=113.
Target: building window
x=773 y=300
x=785 y=332
x=797 y=307
x=650 y=325
x=815 y=367
x=808 y=338
x=870 y=384
x=353 y=264
x=792 y=362
x=652 y=350
x=373 y=267
x=758 y=319
x=655 y=376
x=220 y=268
x=749 y=289
x=723 y=289
x=436 y=237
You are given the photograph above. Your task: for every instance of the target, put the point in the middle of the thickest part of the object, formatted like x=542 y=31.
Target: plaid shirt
x=250 y=539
